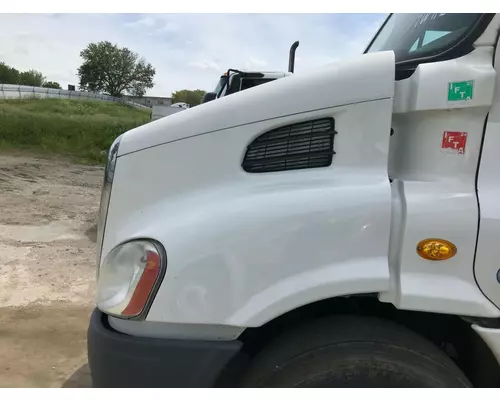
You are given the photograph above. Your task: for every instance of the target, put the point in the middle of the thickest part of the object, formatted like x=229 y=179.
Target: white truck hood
x=363 y=78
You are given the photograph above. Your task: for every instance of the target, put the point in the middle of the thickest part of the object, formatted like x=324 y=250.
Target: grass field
x=79 y=129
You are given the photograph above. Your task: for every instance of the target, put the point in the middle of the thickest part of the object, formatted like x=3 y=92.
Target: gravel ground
x=47 y=269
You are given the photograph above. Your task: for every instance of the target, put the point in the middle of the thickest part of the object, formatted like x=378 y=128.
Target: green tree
x=31 y=78
x=52 y=85
x=191 y=97
x=110 y=69
x=8 y=74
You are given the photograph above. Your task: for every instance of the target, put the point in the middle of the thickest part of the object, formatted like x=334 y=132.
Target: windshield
x=413 y=36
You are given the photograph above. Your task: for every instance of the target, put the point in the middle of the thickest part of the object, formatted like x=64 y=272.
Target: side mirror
x=209 y=96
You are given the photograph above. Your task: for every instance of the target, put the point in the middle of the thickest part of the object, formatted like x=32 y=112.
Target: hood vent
x=296 y=146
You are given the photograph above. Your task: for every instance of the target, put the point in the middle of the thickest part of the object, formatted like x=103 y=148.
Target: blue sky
x=189 y=51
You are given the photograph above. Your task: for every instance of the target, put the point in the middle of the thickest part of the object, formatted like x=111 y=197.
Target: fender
x=243 y=249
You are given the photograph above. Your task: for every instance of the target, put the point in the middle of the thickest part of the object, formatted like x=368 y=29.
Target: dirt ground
x=48 y=222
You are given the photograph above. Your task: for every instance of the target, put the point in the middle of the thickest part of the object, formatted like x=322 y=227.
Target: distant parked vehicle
x=164 y=111
x=181 y=105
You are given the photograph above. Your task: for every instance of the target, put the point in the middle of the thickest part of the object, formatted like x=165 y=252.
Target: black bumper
x=118 y=360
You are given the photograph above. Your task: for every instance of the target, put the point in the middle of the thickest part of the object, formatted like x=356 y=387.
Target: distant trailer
x=164 y=111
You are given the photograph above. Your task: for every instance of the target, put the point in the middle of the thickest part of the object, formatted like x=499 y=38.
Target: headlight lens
x=128 y=277
x=105 y=195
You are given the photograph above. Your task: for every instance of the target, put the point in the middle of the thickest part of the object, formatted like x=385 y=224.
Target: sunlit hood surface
x=363 y=78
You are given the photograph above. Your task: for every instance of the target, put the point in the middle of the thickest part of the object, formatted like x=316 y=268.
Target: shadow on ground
x=41 y=345
x=79 y=379
x=91 y=233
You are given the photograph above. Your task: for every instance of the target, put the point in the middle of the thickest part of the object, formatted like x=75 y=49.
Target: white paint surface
x=245 y=248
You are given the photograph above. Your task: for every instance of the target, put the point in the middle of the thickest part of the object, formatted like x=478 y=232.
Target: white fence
x=23 y=92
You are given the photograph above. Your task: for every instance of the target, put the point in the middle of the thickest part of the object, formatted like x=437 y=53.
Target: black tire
x=348 y=351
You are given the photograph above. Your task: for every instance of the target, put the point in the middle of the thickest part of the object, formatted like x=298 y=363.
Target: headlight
x=105 y=195
x=128 y=277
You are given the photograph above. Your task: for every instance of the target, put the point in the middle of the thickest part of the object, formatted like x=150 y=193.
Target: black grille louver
x=297 y=146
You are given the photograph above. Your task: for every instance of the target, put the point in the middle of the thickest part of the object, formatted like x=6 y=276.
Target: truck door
x=487 y=265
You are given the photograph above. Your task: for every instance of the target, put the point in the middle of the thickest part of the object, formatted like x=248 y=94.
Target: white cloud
x=168 y=27
x=255 y=64
x=145 y=22
x=189 y=51
x=204 y=65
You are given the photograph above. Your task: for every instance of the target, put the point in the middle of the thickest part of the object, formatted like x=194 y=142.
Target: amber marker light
x=436 y=249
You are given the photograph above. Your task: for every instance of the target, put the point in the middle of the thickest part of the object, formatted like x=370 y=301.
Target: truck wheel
x=344 y=351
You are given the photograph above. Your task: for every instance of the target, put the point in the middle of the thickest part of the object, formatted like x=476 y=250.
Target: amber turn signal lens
x=436 y=249
x=145 y=285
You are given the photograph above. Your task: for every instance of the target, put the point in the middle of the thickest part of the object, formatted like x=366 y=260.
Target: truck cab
x=233 y=80
x=342 y=231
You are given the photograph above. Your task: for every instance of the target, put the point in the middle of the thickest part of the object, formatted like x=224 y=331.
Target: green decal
x=460 y=90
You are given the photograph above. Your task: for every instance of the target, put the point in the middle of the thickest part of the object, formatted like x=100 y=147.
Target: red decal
x=454 y=142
